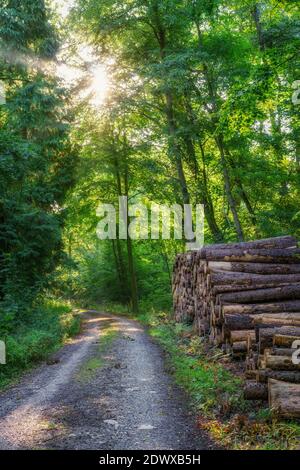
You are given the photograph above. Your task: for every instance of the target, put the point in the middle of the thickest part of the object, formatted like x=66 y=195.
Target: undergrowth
x=47 y=326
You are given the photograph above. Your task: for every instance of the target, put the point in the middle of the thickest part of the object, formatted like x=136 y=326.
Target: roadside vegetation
x=40 y=332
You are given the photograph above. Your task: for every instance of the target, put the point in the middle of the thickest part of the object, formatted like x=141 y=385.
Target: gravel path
x=120 y=398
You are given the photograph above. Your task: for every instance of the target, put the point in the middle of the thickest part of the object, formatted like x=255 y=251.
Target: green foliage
x=37 y=163
x=37 y=160
x=39 y=333
x=25 y=25
x=199 y=111
x=93 y=277
x=206 y=381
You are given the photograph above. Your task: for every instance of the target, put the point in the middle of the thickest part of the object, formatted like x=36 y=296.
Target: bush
x=41 y=332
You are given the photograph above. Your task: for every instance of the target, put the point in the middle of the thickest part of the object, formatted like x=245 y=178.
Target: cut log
x=252 y=256
x=277 y=319
x=284 y=340
x=251 y=309
x=255 y=268
x=263 y=375
x=255 y=391
x=238 y=322
x=216 y=290
x=241 y=335
x=284 y=398
x=263 y=295
x=282 y=351
x=274 y=242
x=239 y=347
x=223 y=289
x=281 y=363
x=282 y=315
x=252 y=279
x=265 y=336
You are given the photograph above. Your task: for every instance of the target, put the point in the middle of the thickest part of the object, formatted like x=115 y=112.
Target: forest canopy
x=199 y=104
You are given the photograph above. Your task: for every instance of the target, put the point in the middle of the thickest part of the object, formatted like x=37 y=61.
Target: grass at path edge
x=108 y=334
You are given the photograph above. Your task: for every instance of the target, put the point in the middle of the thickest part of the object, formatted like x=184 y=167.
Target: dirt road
x=108 y=389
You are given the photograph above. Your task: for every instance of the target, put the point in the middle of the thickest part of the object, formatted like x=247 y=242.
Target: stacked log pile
x=222 y=288
x=274 y=369
x=245 y=297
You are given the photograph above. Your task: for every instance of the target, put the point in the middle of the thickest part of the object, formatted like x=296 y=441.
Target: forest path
x=109 y=390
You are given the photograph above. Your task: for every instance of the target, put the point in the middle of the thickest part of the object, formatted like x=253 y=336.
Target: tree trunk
x=132 y=274
x=204 y=197
x=116 y=243
x=230 y=198
x=201 y=182
x=210 y=215
x=259 y=30
x=160 y=35
x=164 y=256
x=131 y=267
x=243 y=194
x=220 y=145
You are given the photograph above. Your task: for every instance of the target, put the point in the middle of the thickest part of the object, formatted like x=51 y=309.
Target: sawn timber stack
x=245 y=297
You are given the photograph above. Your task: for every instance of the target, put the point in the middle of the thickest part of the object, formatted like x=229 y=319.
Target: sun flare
x=97 y=81
x=90 y=71
x=99 y=85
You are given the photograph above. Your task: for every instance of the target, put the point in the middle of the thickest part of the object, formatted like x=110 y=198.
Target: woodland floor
x=108 y=388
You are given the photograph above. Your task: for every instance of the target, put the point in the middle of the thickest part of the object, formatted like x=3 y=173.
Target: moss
x=108 y=334
x=89 y=369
